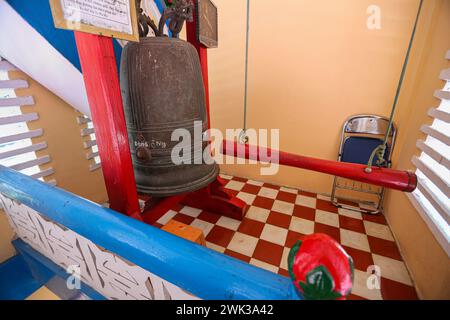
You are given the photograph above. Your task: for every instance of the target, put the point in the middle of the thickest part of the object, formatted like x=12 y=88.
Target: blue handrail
x=196 y=269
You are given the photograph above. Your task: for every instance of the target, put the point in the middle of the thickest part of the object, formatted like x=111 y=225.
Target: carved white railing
x=122 y=258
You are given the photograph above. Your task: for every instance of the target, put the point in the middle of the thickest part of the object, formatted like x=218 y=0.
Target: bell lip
x=181 y=189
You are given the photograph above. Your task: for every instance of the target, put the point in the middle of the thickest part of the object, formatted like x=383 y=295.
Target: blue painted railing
x=196 y=269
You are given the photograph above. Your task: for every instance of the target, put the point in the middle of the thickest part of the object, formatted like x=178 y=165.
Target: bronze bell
x=162 y=90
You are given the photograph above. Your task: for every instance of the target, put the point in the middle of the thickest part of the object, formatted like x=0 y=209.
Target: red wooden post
x=191 y=33
x=215 y=197
x=99 y=67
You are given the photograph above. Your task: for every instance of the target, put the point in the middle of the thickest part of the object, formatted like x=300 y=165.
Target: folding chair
x=361 y=134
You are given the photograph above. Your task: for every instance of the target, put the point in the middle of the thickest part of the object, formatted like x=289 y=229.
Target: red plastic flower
x=320 y=268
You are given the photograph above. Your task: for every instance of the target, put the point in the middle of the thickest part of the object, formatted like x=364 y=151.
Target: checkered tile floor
x=279 y=216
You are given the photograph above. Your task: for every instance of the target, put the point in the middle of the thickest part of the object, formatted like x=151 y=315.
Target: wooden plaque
x=207 y=23
x=109 y=18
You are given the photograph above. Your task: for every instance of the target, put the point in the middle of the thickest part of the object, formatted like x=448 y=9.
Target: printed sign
x=111 y=18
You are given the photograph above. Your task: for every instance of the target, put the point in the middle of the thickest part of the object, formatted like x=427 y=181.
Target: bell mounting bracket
x=182 y=11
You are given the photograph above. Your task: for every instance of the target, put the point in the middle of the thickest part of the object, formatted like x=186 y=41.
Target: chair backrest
x=368 y=124
x=361 y=134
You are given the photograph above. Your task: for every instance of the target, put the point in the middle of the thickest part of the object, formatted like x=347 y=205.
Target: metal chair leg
x=378 y=208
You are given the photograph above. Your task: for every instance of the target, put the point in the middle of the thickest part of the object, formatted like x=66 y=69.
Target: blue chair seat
x=359 y=150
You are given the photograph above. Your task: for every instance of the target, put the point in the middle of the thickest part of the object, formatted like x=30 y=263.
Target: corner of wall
x=426 y=260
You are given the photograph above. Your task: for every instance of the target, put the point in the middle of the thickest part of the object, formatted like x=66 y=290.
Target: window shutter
x=433 y=166
x=90 y=144
x=17 y=151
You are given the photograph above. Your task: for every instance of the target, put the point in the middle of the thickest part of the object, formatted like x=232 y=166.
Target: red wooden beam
x=99 y=67
x=389 y=178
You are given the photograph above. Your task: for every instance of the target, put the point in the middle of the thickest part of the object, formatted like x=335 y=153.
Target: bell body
x=162 y=90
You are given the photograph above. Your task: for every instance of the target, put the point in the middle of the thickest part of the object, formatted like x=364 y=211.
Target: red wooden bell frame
x=102 y=85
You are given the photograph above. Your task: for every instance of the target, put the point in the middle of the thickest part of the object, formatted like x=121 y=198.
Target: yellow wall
x=427 y=261
x=313 y=63
x=6 y=234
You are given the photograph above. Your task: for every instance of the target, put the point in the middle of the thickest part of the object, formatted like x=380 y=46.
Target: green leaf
x=319 y=285
x=352 y=271
x=352 y=268
x=169 y=4
x=291 y=258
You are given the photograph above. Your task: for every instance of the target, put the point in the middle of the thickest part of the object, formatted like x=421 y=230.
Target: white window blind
x=432 y=197
x=17 y=151
x=91 y=143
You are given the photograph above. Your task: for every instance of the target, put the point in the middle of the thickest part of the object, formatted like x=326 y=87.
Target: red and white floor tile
x=279 y=216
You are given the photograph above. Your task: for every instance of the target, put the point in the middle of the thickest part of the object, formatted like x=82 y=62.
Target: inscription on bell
x=141 y=144
x=155 y=144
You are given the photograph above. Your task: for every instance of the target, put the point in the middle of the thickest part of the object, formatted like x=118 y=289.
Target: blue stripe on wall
x=118 y=52
x=161 y=5
x=38 y=14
